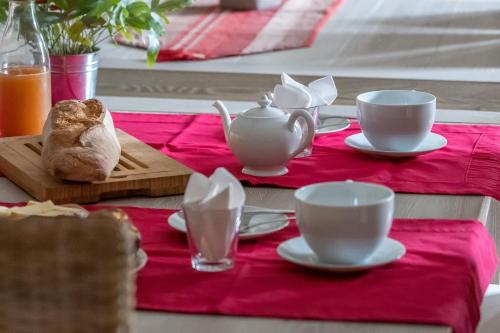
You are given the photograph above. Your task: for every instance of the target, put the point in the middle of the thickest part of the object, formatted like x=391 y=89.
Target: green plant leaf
x=4 y=7
x=77 y=26
x=154 y=4
x=75 y=31
x=170 y=5
x=62 y=4
x=163 y=17
x=138 y=8
x=157 y=24
x=140 y=23
x=103 y=6
x=126 y=34
x=93 y=22
x=86 y=42
x=153 y=49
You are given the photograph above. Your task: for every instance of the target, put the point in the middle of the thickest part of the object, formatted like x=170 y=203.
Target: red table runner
x=469 y=164
x=204 y=31
x=441 y=280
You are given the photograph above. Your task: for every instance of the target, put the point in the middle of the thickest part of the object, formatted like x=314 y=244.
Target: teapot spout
x=226 y=119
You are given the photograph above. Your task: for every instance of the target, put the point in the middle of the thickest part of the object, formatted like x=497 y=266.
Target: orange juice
x=25 y=100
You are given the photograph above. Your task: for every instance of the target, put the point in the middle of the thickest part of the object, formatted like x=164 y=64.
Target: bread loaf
x=80 y=142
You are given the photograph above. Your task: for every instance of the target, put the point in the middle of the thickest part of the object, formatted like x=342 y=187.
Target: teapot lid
x=265 y=110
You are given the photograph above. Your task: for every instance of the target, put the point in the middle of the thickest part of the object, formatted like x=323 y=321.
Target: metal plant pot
x=73 y=76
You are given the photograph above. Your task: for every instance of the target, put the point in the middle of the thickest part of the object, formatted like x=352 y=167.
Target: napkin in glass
x=291 y=94
x=212 y=207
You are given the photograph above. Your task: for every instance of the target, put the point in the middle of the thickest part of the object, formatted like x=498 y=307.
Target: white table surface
x=407 y=205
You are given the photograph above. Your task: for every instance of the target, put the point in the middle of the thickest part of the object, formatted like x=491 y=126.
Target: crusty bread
x=79 y=141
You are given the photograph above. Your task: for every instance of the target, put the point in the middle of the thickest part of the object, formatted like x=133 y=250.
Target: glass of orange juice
x=25 y=97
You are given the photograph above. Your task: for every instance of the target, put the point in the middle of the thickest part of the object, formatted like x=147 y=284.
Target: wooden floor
x=424 y=39
x=249 y=87
x=442 y=46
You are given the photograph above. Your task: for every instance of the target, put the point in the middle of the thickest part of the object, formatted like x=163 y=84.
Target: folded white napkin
x=292 y=94
x=212 y=207
x=220 y=191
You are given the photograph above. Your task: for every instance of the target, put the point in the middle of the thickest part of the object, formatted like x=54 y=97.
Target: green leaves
x=4 y=5
x=78 y=26
x=75 y=33
x=152 y=18
x=154 y=4
x=153 y=49
x=61 y=4
x=98 y=8
x=171 y=5
x=139 y=16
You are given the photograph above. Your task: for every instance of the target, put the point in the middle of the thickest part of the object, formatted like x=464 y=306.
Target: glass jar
x=25 y=98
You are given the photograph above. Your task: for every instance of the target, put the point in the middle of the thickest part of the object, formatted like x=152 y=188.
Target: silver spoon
x=246 y=228
x=250 y=212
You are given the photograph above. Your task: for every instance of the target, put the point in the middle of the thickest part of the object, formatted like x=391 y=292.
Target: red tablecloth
x=205 y=31
x=469 y=164
x=441 y=280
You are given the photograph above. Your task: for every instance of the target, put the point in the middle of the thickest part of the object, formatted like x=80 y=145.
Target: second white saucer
x=297 y=251
x=432 y=143
x=260 y=229
x=332 y=124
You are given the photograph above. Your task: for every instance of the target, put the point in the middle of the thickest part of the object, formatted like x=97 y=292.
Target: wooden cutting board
x=142 y=171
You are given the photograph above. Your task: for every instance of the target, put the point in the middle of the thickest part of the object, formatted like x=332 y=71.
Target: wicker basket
x=66 y=274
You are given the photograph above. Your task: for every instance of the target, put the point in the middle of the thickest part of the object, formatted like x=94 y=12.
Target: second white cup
x=344 y=222
x=396 y=120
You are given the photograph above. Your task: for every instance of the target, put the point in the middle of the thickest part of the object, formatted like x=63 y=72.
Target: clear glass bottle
x=25 y=97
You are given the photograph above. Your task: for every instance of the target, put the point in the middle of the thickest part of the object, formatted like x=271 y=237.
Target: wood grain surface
x=142 y=170
x=424 y=39
x=248 y=87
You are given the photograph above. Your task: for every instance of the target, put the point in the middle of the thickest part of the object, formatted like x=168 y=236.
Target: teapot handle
x=311 y=130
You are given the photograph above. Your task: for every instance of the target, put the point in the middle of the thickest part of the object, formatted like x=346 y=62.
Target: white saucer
x=297 y=251
x=280 y=171
x=431 y=143
x=332 y=124
x=177 y=222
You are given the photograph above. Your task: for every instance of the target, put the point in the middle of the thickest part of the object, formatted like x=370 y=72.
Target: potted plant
x=73 y=30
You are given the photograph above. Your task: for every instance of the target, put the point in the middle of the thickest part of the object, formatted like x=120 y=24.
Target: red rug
x=204 y=31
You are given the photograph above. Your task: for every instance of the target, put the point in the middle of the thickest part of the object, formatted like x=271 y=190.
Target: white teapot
x=265 y=138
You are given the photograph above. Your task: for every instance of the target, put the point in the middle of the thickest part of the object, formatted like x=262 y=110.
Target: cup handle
x=310 y=129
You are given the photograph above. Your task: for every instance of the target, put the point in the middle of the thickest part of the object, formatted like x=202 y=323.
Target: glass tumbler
x=213 y=237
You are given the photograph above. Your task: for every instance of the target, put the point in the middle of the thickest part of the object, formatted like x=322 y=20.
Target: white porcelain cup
x=344 y=222
x=396 y=120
